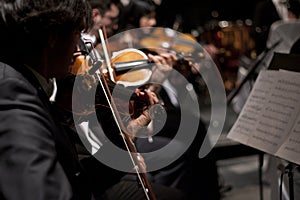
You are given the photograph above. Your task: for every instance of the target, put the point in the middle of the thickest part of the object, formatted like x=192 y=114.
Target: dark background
x=195 y=13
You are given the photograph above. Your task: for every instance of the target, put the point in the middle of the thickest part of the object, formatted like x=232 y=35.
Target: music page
x=270 y=120
x=247 y=120
x=278 y=114
x=290 y=150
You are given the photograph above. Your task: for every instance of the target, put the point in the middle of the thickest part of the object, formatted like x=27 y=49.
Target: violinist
x=37 y=44
x=38 y=158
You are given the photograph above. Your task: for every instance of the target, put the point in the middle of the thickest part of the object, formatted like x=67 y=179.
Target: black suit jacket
x=38 y=159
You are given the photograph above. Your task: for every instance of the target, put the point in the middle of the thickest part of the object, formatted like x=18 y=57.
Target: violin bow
x=129 y=145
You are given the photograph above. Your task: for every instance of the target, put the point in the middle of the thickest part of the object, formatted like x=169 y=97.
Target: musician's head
x=106 y=13
x=139 y=13
x=293 y=7
x=41 y=32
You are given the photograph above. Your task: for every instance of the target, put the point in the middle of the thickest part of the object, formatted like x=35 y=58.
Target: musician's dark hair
x=294 y=7
x=27 y=23
x=104 y=5
x=134 y=11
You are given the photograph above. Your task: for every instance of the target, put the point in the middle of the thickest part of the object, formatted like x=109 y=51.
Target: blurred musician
x=266 y=13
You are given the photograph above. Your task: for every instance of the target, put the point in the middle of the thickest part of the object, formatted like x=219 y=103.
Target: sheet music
x=244 y=126
x=278 y=114
x=270 y=120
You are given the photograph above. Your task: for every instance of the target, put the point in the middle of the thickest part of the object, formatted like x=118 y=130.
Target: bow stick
x=129 y=145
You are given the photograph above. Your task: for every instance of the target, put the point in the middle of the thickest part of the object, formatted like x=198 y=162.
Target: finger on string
x=137 y=91
x=156 y=59
x=151 y=96
x=169 y=56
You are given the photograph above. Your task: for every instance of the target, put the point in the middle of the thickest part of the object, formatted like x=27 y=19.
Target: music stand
x=233 y=93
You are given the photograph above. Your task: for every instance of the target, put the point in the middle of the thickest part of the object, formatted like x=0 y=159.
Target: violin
x=83 y=70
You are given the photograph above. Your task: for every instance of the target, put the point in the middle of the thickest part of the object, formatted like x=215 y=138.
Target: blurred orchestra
x=76 y=75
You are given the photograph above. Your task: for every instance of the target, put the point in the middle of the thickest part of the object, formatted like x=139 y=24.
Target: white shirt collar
x=49 y=86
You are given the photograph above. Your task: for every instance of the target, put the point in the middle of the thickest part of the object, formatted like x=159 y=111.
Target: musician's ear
x=52 y=39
